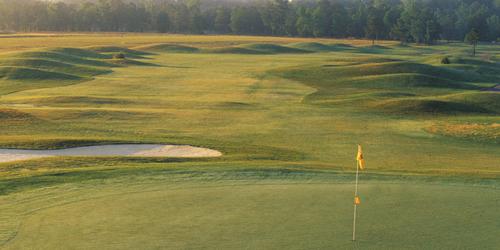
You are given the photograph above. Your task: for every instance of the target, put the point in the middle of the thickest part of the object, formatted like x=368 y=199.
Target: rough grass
x=423 y=106
x=486 y=132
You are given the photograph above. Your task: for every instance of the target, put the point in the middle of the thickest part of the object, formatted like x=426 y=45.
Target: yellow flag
x=357 y=200
x=360 y=159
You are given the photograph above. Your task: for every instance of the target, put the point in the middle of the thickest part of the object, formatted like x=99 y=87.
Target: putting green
x=256 y=215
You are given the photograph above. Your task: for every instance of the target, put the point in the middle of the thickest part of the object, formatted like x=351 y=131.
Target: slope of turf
x=57 y=66
x=22 y=73
x=59 y=57
x=13 y=114
x=168 y=48
x=75 y=100
x=234 y=50
x=273 y=48
x=488 y=100
x=337 y=83
x=80 y=53
x=110 y=50
x=312 y=46
x=428 y=106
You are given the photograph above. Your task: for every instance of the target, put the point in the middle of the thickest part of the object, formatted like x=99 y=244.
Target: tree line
x=419 y=21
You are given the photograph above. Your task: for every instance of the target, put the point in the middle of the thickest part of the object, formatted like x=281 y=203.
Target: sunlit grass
x=286 y=113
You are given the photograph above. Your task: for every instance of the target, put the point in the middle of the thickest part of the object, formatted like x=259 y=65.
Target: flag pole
x=355 y=205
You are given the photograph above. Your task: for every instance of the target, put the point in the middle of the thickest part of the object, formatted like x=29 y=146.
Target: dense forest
x=420 y=21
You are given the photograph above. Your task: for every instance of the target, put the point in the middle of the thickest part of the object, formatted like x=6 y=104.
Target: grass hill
x=436 y=85
x=273 y=48
x=167 y=48
x=60 y=66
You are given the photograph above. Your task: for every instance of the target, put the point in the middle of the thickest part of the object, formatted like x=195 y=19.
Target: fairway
x=284 y=117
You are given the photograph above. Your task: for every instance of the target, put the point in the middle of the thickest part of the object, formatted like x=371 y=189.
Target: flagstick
x=355 y=205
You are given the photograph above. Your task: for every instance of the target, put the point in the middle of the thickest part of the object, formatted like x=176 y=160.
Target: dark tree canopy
x=419 y=21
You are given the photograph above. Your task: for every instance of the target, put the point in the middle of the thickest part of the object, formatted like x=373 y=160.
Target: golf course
x=150 y=141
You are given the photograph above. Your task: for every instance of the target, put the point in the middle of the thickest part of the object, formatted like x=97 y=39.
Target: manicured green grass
x=287 y=113
x=252 y=212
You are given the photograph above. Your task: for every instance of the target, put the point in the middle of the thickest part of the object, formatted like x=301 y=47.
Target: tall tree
x=304 y=23
x=222 y=20
x=246 y=20
x=274 y=15
x=340 y=20
x=322 y=18
x=472 y=38
x=162 y=22
x=493 y=27
x=374 y=23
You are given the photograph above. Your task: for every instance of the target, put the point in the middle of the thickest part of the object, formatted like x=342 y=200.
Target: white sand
x=19 y=157
x=142 y=150
x=179 y=151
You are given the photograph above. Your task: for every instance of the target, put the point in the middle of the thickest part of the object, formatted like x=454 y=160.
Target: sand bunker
x=141 y=150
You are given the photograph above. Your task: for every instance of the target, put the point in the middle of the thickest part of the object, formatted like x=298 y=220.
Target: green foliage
x=472 y=37
x=162 y=22
x=417 y=21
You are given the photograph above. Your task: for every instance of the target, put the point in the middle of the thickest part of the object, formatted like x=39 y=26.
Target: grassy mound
x=235 y=105
x=57 y=67
x=113 y=50
x=377 y=47
x=341 y=47
x=382 y=75
x=351 y=61
x=60 y=57
x=168 y=47
x=54 y=66
x=74 y=100
x=425 y=106
x=408 y=80
x=125 y=62
x=273 y=48
x=312 y=46
x=80 y=53
x=20 y=73
x=393 y=86
x=13 y=114
x=489 y=70
x=487 y=100
x=235 y=50
x=407 y=67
